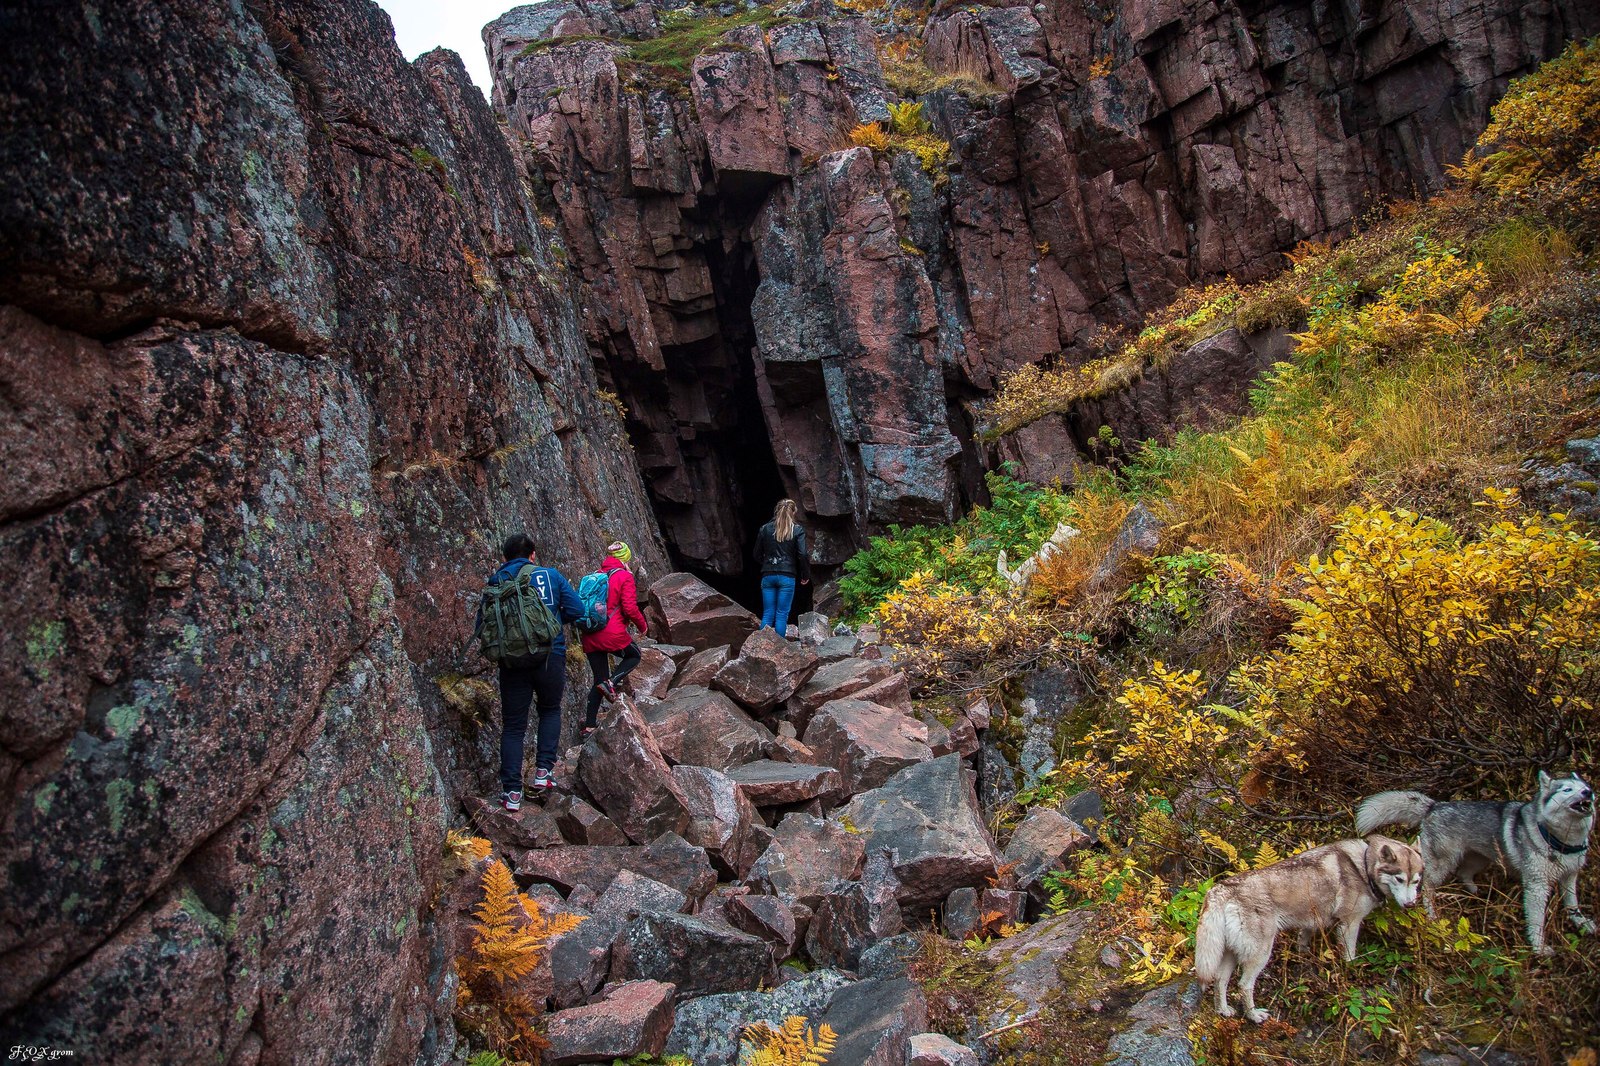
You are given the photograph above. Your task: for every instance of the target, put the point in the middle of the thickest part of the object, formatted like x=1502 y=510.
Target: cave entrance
x=756 y=483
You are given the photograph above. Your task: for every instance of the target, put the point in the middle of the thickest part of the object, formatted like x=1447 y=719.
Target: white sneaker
x=544 y=781
x=511 y=801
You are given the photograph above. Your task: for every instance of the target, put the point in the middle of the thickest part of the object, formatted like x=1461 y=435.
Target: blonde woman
x=781 y=554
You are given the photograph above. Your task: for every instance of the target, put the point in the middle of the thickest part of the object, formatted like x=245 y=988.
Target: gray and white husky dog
x=1336 y=884
x=1544 y=841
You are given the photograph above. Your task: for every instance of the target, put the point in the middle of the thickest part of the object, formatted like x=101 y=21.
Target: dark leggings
x=519 y=690
x=600 y=666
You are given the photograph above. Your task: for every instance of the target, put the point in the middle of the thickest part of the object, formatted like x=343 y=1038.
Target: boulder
x=531 y=827
x=701 y=667
x=649 y=680
x=958 y=737
x=835 y=649
x=853 y=915
x=768 y=670
x=1008 y=906
x=721 y=818
x=928 y=816
x=1139 y=535
x=579 y=961
x=767 y=917
x=876 y=1020
x=813 y=628
x=1041 y=844
x=978 y=712
x=893 y=691
x=1028 y=967
x=1085 y=808
x=697 y=727
x=891 y=957
x=623 y=769
x=707 y=1030
x=936 y=1049
x=631 y=894
x=669 y=859
x=961 y=918
x=633 y=1019
x=806 y=855
x=867 y=742
x=693 y=613
x=581 y=823
x=833 y=681
x=769 y=783
x=1159 y=1035
x=697 y=956
x=789 y=750
x=678 y=653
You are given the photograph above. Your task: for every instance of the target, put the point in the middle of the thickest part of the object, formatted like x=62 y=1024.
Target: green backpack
x=515 y=628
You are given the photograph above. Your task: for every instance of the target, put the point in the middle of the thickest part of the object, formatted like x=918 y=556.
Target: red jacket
x=622 y=607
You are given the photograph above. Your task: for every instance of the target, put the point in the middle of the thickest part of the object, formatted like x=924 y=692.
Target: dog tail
x=1210 y=941
x=1392 y=808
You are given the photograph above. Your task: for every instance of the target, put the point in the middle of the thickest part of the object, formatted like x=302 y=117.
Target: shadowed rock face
x=283 y=353
x=1127 y=151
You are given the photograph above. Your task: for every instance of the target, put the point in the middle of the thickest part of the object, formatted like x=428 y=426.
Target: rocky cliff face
x=283 y=353
x=738 y=249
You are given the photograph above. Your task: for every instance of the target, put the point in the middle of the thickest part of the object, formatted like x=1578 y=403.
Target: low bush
x=1421 y=657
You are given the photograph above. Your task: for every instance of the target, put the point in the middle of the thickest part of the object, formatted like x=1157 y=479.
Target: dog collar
x=1559 y=846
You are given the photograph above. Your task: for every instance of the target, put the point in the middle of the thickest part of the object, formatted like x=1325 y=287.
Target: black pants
x=600 y=666
x=519 y=689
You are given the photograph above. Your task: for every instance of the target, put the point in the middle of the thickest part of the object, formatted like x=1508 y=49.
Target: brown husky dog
x=1336 y=884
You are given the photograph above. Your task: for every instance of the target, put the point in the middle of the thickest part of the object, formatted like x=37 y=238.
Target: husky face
x=1399 y=874
x=1565 y=800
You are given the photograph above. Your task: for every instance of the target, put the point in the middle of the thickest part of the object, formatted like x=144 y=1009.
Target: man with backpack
x=520 y=615
x=610 y=601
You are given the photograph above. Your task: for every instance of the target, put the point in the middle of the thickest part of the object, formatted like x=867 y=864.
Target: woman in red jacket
x=622 y=607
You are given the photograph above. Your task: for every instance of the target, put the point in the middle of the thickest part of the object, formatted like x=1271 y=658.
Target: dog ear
x=1386 y=854
x=1544 y=780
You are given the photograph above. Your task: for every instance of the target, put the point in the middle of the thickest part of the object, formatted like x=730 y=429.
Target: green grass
x=685 y=35
x=1020 y=516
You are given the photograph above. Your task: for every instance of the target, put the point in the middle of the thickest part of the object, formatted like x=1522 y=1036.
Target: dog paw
x=1585 y=925
x=1225 y=1011
x=1258 y=1016
x=1544 y=951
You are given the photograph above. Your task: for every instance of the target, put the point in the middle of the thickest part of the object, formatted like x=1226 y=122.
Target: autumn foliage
x=509 y=939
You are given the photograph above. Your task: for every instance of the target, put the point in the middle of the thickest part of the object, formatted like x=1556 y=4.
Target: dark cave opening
x=745 y=440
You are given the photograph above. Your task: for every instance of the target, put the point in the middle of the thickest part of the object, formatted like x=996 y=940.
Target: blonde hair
x=783 y=523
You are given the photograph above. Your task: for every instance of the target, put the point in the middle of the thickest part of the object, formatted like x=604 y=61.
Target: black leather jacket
x=776 y=556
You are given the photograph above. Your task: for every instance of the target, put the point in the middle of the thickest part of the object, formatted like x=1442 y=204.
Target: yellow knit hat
x=619 y=550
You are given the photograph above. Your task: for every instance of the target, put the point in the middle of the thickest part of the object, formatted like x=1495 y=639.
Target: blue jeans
x=520 y=690
x=777 y=595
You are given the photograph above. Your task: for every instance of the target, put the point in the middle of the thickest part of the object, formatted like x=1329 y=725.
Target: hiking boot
x=544 y=783
x=511 y=801
x=607 y=689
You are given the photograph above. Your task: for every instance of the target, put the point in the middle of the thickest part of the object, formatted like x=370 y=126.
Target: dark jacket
x=776 y=556
x=556 y=592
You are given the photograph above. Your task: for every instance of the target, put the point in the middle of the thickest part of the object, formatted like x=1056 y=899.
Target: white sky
x=423 y=25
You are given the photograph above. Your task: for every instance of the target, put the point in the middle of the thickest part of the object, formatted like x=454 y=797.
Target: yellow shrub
x=1544 y=135
x=1419 y=657
x=951 y=634
x=870 y=135
x=1438 y=296
x=1163 y=737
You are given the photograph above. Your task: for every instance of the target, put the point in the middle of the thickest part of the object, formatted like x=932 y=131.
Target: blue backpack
x=593 y=591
